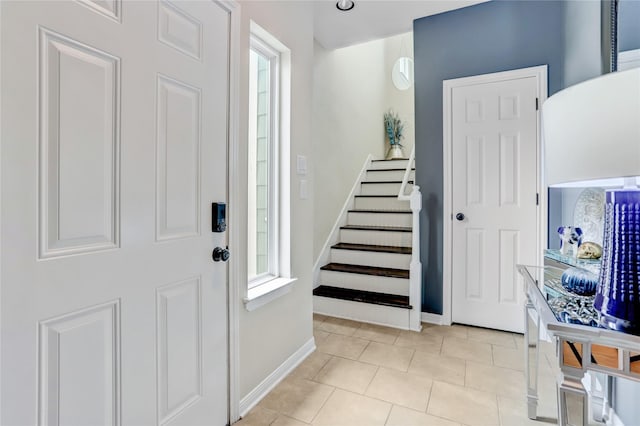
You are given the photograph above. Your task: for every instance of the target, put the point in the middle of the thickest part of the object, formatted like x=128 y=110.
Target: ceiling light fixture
x=345 y=5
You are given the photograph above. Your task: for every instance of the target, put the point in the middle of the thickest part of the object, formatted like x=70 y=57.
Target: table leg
x=572 y=396
x=531 y=353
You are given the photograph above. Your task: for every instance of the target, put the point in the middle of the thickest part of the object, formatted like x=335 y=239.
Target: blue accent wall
x=486 y=38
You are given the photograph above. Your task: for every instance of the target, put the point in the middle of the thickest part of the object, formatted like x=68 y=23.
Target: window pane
x=260 y=167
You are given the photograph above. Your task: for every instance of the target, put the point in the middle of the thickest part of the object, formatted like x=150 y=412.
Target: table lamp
x=592 y=131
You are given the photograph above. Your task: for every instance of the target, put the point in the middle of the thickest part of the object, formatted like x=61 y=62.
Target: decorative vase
x=579 y=281
x=618 y=294
x=395 y=152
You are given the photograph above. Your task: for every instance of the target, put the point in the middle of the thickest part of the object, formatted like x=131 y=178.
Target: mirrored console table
x=581 y=345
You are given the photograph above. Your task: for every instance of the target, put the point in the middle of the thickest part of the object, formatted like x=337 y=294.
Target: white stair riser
x=387 y=175
x=390 y=164
x=381 y=203
x=380 y=219
x=365 y=312
x=379 y=238
x=384 y=189
x=369 y=258
x=365 y=282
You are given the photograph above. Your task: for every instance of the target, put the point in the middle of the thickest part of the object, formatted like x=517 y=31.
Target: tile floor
x=363 y=374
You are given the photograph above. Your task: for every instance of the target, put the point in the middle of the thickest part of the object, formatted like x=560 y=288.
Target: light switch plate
x=304 y=192
x=301 y=165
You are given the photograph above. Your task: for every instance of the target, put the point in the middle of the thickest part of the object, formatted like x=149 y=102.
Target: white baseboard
x=260 y=391
x=432 y=318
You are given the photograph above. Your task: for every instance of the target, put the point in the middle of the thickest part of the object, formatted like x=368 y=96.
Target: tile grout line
x=498 y=408
x=413 y=355
x=426 y=410
x=386 y=420
x=371 y=381
x=465 y=373
x=323 y=404
x=493 y=361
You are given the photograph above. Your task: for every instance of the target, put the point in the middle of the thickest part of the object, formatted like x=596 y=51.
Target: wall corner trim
x=272 y=380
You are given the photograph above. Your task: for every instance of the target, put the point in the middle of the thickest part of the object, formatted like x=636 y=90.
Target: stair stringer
x=334 y=235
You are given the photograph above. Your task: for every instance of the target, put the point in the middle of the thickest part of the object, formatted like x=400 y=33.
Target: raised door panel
x=474 y=110
x=179 y=347
x=109 y=8
x=178 y=29
x=475 y=263
x=178 y=159
x=79 y=144
x=509 y=283
x=79 y=370
x=509 y=169
x=509 y=107
x=475 y=170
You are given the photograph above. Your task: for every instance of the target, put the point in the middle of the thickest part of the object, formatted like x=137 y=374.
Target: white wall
x=273 y=332
x=352 y=89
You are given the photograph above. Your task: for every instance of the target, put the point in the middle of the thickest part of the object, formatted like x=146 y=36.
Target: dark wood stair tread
x=385 y=181
x=377 y=228
x=384 y=299
x=389 y=170
x=378 y=196
x=367 y=270
x=380 y=211
x=372 y=248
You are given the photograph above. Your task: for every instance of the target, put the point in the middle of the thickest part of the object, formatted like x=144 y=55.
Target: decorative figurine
x=569 y=237
x=589 y=250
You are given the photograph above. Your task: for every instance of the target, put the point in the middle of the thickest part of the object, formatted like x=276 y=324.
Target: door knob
x=220 y=254
x=460 y=216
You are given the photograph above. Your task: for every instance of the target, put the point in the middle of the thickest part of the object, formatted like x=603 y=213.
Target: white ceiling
x=373 y=19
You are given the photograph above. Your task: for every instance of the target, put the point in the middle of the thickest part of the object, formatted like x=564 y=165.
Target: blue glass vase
x=618 y=294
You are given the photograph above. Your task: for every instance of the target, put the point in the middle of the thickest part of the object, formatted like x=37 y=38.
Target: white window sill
x=262 y=294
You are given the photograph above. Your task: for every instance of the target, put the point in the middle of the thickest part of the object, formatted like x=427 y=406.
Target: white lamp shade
x=592 y=130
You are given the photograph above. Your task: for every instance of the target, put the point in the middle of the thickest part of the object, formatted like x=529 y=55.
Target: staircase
x=367 y=264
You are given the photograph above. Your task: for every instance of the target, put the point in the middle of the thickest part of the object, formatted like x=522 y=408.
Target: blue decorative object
x=574 y=310
x=618 y=294
x=570 y=236
x=580 y=281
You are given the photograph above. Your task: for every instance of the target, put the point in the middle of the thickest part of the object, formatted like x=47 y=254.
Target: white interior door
x=114 y=139
x=494 y=204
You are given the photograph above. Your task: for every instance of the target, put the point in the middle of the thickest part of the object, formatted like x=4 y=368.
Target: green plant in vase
x=395 y=132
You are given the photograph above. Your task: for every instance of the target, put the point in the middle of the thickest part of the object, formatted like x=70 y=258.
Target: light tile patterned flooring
x=363 y=374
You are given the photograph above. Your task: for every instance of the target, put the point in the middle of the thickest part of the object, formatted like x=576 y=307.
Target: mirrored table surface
x=582 y=344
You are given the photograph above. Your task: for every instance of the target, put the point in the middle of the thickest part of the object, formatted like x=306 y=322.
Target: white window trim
x=273 y=270
x=264 y=293
x=270 y=289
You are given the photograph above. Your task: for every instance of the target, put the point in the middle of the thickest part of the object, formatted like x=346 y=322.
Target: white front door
x=494 y=145
x=114 y=144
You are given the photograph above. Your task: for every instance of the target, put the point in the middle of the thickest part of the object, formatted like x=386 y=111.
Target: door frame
x=233 y=196
x=233 y=188
x=540 y=73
